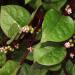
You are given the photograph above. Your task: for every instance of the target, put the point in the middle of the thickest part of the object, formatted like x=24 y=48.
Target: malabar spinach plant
x=37 y=37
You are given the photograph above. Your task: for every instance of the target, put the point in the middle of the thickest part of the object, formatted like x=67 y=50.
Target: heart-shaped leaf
x=56 y=27
x=48 y=55
x=13 y=16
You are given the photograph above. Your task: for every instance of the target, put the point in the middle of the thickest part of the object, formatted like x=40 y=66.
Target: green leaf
x=56 y=4
x=48 y=55
x=74 y=26
x=25 y=70
x=55 y=67
x=54 y=0
x=15 y=30
x=62 y=73
x=2 y=72
x=2 y=59
x=27 y=1
x=38 y=3
x=12 y=33
x=56 y=27
x=38 y=35
x=70 y=67
x=32 y=70
x=9 y=68
x=73 y=70
x=13 y=17
x=30 y=56
x=37 y=70
x=15 y=71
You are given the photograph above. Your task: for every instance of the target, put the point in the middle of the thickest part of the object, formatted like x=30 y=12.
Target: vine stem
x=30 y=41
x=22 y=60
x=24 y=56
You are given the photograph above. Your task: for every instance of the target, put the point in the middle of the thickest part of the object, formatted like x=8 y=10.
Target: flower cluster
x=27 y=29
x=68 y=9
x=5 y=49
x=70 y=43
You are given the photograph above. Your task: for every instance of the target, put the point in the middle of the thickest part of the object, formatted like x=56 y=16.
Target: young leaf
x=48 y=55
x=56 y=27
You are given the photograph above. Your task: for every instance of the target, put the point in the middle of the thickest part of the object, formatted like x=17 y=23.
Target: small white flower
x=12 y=50
x=74 y=36
x=67 y=45
x=72 y=45
x=68 y=9
x=1 y=50
x=16 y=46
x=5 y=52
x=6 y=49
x=25 y=29
x=71 y=55
x=30 y=49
